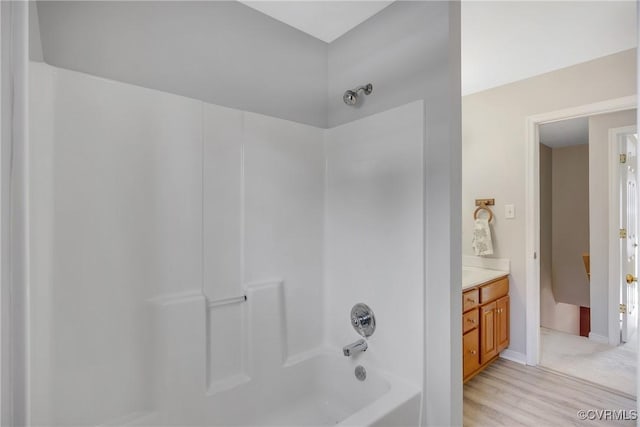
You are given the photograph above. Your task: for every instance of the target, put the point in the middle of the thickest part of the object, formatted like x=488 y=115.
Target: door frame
x=615 y=274
x=532 y=207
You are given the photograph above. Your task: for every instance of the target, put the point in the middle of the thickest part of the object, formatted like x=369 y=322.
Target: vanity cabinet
x=485 y=324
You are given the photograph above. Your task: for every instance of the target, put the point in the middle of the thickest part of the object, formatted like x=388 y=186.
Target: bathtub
x=319 y=390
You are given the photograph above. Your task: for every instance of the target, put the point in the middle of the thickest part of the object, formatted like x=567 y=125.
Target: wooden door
x=502 y=323
x=488 y=349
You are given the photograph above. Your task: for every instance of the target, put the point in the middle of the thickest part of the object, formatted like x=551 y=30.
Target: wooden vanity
x=485 y=324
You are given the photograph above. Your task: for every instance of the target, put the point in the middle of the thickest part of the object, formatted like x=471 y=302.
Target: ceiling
x=324 y=20
x=502 y=41
x=565 y=133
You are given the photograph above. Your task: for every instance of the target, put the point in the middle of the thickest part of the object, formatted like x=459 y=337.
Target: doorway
x=564 y=226
x=565 y=249
x=606 y=294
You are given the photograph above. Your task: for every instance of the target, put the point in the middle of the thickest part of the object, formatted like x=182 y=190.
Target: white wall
x=119 y=282
x=553 y=314
x=421 y=45
x=411 y=51
x=231 y=55
x=570 y=224
x=35 y=41
x=374 y=244
x=599 y=215
x=493 y=154
x=284 y=214
x=117 y=213
x=14 y=221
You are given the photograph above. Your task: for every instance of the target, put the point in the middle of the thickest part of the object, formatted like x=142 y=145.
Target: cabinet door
x=502 y=323
x=470 y=351
x=488 y=349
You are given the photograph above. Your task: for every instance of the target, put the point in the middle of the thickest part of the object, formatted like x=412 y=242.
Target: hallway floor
x=510 y=394
x=613 y=367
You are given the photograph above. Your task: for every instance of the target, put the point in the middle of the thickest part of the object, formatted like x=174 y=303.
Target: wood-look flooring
x=509 y=394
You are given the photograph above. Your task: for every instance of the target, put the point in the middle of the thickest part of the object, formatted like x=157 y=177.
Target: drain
x=361 y=373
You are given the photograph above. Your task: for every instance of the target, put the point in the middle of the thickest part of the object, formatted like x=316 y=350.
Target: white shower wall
x=115 y=197
x=374 y=245
x=146 y=208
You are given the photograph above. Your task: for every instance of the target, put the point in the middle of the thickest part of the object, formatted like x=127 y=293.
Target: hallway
x=612 y=367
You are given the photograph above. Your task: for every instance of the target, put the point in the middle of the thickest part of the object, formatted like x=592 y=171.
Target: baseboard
x=514 y=356
x=598 y=338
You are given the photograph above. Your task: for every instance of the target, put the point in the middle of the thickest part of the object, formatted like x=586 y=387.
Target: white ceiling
x=325 y=20
x=502 y=41
x=565 y=133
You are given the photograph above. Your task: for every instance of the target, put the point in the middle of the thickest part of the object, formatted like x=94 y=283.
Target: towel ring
x=480 y=208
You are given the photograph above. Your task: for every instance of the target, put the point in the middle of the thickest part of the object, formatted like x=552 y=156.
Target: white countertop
x=474 y=276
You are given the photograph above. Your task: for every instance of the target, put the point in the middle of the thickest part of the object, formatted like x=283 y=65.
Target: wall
x=278 y=71
x=599 y=213
x=570 y=224
x=232 y=55
x=411 y=51
x=553 y=314
x=117 y=214
x=493 y=130
x=122 y=285
x=35 y=41
x=374 y=228
x=14 y=221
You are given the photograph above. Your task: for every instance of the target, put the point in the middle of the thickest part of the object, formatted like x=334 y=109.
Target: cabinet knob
x=472 y=352
x=471 y=300
x=471 y=320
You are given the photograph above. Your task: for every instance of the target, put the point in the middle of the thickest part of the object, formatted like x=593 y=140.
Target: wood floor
x=510 y=394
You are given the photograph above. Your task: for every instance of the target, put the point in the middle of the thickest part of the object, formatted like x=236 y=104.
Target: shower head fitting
x=350 y=97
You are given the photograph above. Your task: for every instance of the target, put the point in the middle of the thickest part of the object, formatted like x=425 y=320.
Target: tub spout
x=355 y=348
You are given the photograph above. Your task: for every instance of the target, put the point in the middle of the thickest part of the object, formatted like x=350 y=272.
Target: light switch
x=509 y=211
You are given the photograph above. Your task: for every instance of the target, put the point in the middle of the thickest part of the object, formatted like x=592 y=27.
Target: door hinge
x=623 y=158
x=623 y=308
x=623 y=233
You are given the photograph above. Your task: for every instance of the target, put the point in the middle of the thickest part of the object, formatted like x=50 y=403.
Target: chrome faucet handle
x=363 y=320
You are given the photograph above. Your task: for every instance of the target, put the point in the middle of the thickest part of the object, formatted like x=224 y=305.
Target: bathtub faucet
x=355 y=348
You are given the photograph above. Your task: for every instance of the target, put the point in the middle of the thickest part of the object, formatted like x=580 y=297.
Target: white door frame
x=615 y=278
x=532 y=208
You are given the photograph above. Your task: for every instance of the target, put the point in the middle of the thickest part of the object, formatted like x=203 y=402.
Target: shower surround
x=201 y=152
x=152 y=212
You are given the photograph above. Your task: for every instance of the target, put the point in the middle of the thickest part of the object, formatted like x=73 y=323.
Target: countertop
x=474 y=276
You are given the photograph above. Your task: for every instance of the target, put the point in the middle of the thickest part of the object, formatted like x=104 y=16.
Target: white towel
x=482 y=244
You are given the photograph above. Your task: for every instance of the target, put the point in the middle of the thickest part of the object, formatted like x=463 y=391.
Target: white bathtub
x=321 y=390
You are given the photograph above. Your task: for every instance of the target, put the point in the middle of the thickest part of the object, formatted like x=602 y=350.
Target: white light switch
x=509 y=211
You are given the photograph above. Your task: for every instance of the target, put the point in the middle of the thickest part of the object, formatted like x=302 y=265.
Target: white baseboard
x=514 y=356
x=598 y=338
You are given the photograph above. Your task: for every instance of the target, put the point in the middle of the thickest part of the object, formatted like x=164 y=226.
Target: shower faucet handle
x=363 y=320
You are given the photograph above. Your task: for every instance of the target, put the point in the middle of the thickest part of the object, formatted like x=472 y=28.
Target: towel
x=482 y=244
